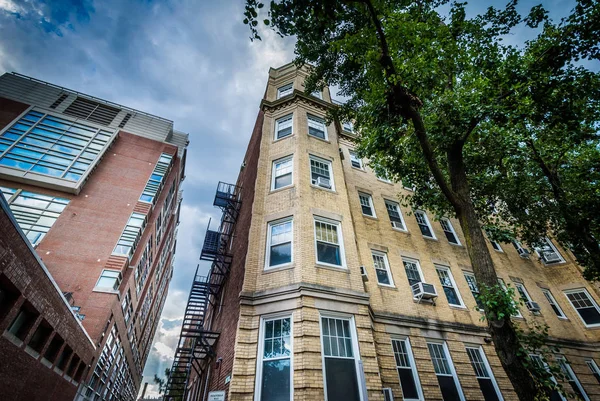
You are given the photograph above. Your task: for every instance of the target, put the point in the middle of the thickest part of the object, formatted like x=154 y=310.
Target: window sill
x=431 y=238
x=333 y=191
x=457 y=245
x=340 y=269
x=46 y=363
x=400 y=230
x=273 y=191
x=370 y=217
x=457 y=307
x=387 y=287
x=106 y=290
x=282 y=138
x=287 y=266
x=32 y=352
x=326 y=140
x=385 y=182
x=13 y=339
x=362 y=170
x=553 y=264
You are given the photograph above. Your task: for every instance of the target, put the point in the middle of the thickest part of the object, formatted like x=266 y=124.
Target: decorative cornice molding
x=304 y=289
x=294 y=97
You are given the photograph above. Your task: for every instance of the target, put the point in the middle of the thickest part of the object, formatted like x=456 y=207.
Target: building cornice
x=297 y=95
x=303 y=289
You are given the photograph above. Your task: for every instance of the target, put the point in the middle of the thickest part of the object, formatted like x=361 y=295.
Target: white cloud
x=10 y=6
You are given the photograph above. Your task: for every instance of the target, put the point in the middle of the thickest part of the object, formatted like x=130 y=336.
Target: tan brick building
x=324 y=295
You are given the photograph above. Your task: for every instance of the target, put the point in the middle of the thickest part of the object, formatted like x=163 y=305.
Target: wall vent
x=125 y=119
x=92 y=111
x=59 y=101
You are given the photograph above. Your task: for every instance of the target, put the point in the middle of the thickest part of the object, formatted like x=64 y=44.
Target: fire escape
x=196 y=341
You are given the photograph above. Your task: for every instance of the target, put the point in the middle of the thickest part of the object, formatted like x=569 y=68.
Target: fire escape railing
x=196 y=343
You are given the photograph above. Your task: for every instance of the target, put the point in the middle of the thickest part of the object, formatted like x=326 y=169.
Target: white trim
x=338 y=224
x=329 y=164
x=592 y=300
x=278 y=121
x=112 y=289
x=552 y=300
x=522 y=286
x=413 y=366
x=471 y=274
x=371 y=205
x=397 y=205
x=416 y=262
x=261 y=346
x=273 y=171
x=549 y=242
x=454 y=286
x=280 y=91
x=270 y=225
x=387 y=268
x=567 y=365
x=355 y=349
x=317 y=120
x=533 y=356
x=591 y=363
x=505 y=288
x=426 y=221
x=452 y=230
x=354 y=155
x=488 y=368
x=450 y=363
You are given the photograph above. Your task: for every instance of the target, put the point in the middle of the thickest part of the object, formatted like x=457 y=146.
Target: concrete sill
x=401 y=231
x=461 y=308
x=319 y=139
x=274 y=191
x=32 y=352
x=324 y=189
x=13 y=339
x=279 y=268
x=370 y=217
x=46 y=363
x=106 y=291
x=362 y=170
x=337 y=269
x=57 y=370
x=282 y=138
x=430 y=239
x=387 y=287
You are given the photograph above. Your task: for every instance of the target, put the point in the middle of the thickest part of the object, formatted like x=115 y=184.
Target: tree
x=162 y=383
x=442 y=103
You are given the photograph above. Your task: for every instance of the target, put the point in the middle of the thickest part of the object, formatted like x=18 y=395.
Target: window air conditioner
x=533 y=306
x=324 y=182
x=424 y=291
x=363 y=273
x=550 y=256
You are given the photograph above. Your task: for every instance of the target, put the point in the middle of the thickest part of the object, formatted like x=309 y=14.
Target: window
x=131 y=235
x=555 y=395
x=348 y=126
x=284 y=126
x=594 y=369
x=282 y=173
x=339 y=360
x=407 y=371
x=275 y=371
x=383 y=177
x=552 y=301
x=279 y=243
x=55 y=346
x=109 y=280
x=444 y=370
x=548 y=252
x=317 y=127
x=382 y=268
x=356 y=161
x=366 y=204
x=25 y=319
x=328 y=242
x=520 y=249
x=503 y=285
x=285 y=90
x=8 y=296
x=52 y=146
x=472 y=283
x=317 y=94
x=523 y=294
x=483 y=372
x=126 y=306
x=449 y=231
x=40 y=336
x=413 y=271
x=572 y=378
x=585 y=305
x=449 y=286
x=156 y=180
x=495 y=244
x=321 y=173
x=424 y=225
x=35 y=213
x=395 y=215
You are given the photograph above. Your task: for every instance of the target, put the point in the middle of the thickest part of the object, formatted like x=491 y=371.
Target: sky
x=189 y=61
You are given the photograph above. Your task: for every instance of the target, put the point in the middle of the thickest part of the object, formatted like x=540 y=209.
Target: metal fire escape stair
x=196 y=343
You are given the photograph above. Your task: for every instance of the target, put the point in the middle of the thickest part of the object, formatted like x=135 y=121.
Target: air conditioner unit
x=424 y=291
x=550 y=257
x=533 y=306
x=324 y=182
x=363 y=273
x=388 y=395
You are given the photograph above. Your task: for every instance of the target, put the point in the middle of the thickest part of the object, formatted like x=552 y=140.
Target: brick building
x=95 y=188
x=324 y=287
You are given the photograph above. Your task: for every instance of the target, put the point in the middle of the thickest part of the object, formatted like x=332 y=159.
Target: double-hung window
x=356 y=161
x=407 y=371
x=382 y=268
x=328 y=242
x=552 y=301
x=495 y=244
x=383 y=177
x=449 y=231
x=109 y=280
x=284 y=126
x=548 y=252
x=321 y=173
x=505 y=288
x=282 y=173
x=317 y=127
x=555 y=395
x=444 y=370
x=585 y=305
x=285 y=90
x=572 y=378
x=413 y=271
x=366 y=204
x=520 y=249
x=472 y=283
x=424 y=224
x=131 y=234
x=523 y=294
x=317 y=94
x=340 y=359
x=449 y=286
x=279 y=243
x=395 y=215
x=275 y=372
x=593 y=368
x=348 y=126
x=483 y=372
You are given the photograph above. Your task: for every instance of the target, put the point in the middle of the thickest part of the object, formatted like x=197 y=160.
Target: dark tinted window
x=342 y=383
x=40 y=336
x=52 y=350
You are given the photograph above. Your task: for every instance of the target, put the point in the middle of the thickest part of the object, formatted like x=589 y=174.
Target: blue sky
x=186 y=60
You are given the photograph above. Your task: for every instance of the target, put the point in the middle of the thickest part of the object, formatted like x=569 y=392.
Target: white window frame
x=549 y=242
x=338 y=224
x=426 y=221
x=571 y=373
x=274 y=171
x=386 y=265
x=270 y=225
x=454 y=286
x=284 y=91
x=413 y=367
x=354 y=157
x=348 y=126
x=355 y=349
x=450 y=363
x=552 y=301
x=522 y=287
x=538 y=358
x=278 y=121
x=112 y=289
x=593 y=366
x=317 y=120
x=486 y=364
x=383 y=179
x=399 y=210
x=369 y=197
x=329 y=165
x=471 y=274
x=447 y=221
x=594 y=303
x=318 y=94
x=261 y=351
x=416 y=262
x=505 y=288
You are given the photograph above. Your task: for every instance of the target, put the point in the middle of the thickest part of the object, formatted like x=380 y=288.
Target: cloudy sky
x=189 y=61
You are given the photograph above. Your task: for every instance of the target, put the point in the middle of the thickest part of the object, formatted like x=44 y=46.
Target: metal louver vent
x=92 y=111
x=59 y=101
x=125 y=119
